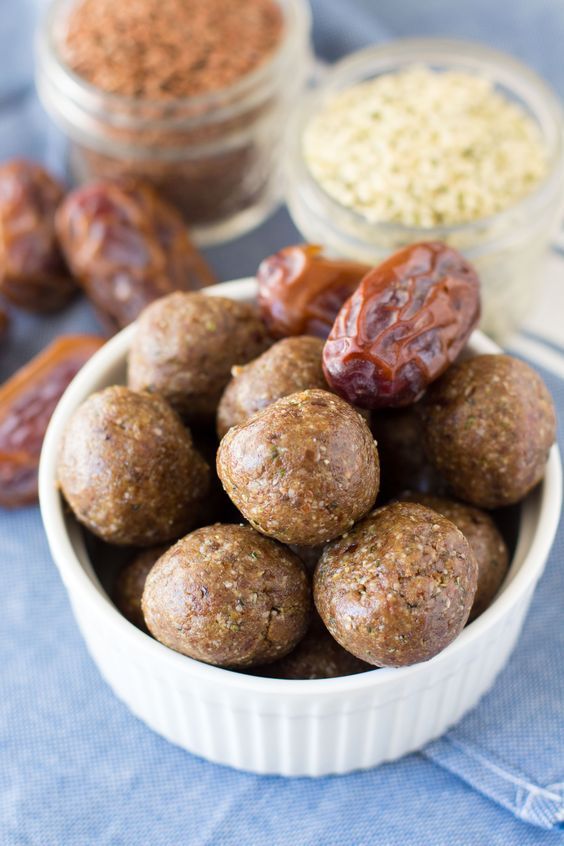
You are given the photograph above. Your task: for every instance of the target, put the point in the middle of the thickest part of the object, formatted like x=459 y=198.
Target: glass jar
x=216 y=156
x=508 y=248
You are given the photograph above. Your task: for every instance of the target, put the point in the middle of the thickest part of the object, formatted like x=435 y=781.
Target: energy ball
x=185 y=345
x=317 y=656
x=486 y=542
x=130 y=583
x=399 y=587
x=488 y=425
x=290 y=366
x=216 y=507
x=308 y=555
x=304 y=470
x=129 y=469
x=228 y=596
x=403 y=460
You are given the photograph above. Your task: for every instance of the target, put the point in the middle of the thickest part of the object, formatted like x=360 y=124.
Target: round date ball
x=403 y=461
x=317 y=656
x=130 y=583
x=304 y=470
x=185 y=345
x=228 y=596
x=216 y=507
x=290 y=366
x=488 y=425
x=129 y=470
x=486 y=542
x=309 y=555
x=398 y=588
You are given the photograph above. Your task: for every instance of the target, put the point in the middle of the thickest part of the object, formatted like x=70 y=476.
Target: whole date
x=127 y=247
x=403 y=326
x=27 y=401
x=33 y=275
x=301 y=290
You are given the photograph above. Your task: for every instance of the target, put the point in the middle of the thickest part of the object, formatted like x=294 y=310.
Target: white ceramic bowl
x=278 y=726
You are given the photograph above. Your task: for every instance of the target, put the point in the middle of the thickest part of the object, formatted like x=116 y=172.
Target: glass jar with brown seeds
x=190 y=96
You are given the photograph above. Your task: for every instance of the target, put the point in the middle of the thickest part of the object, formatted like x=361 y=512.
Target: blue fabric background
x=77 y=768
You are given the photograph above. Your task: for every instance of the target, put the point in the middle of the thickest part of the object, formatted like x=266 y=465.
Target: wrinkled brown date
x=32 y=271
x=301 y=290
x=406 y=322
x=27 y=401
x=127 y=247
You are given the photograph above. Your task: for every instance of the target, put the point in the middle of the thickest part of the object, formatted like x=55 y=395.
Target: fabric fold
x=541 y=806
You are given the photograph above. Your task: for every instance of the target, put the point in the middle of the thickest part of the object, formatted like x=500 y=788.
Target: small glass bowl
x=216 y=156
x=507 y=248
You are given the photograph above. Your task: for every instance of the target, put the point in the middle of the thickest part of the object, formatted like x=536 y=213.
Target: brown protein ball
x=398 y=588
x=308 y=555
x=317 y=656
x=185 y=345
x=228 y=596
x=33 y=274
x=488 y=425
x=290 y=366
x=130 y=583
x=129 y=470
x=486 y=542
x=216 y=507
x=403 y=461
x=304 y=470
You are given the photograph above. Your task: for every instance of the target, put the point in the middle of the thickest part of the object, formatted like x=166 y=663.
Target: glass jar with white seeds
x=431 y=139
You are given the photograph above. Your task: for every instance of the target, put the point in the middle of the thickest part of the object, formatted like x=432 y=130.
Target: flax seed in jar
x=191 y=95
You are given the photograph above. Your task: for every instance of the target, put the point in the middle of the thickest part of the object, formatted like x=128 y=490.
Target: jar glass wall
x=216 y=156
x=508 y=248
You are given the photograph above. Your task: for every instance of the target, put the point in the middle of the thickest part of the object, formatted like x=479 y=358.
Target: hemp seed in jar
x=424 y=148
x=190 y=95
x=429 y=139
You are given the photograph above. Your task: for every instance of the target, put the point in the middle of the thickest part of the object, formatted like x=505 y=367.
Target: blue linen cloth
x=77 y=768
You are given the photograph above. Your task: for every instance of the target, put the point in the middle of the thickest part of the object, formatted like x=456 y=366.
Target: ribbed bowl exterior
x=270 y=734
x=291 y=728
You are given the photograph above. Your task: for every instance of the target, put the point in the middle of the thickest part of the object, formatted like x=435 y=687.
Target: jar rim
x=223 y=102
x=404 y=52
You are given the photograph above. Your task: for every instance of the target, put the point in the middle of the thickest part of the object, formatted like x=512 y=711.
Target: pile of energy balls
x=310 y=488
